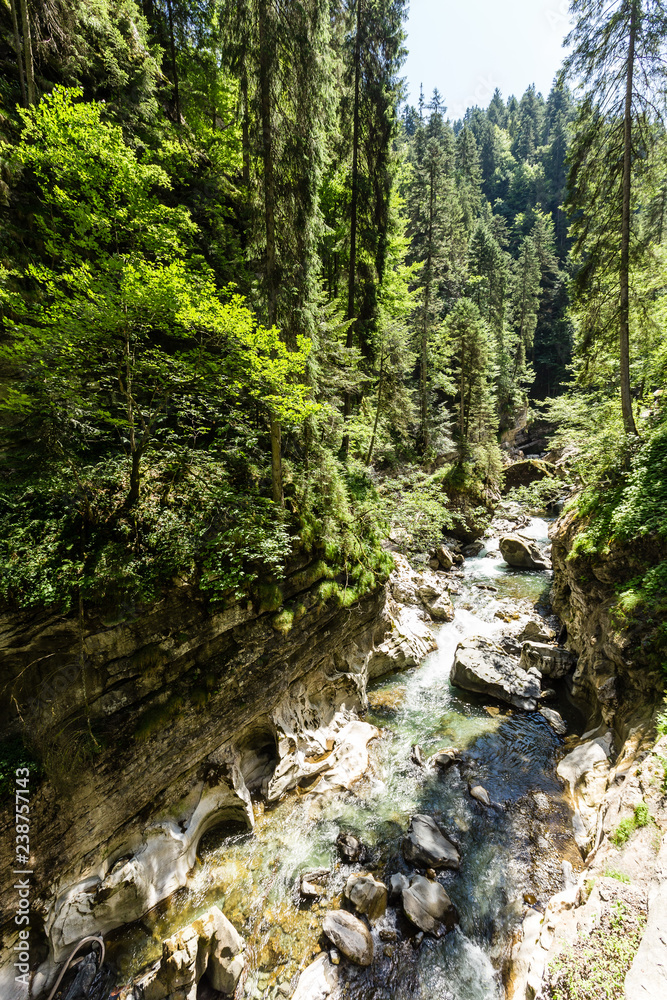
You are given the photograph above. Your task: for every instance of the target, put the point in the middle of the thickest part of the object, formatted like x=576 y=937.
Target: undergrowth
x=594 y=968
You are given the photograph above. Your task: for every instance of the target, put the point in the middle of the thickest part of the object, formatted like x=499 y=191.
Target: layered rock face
x=611 y=675
x=194 y=712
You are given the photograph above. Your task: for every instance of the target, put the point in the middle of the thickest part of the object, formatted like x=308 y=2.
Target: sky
x=467 y=48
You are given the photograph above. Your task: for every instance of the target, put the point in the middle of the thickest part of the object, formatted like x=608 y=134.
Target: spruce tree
x=618 y=54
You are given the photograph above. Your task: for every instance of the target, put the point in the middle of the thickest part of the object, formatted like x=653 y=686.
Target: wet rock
x=367 y=894
x=426 y=845
x=481 y=666
x=84 y=979
x=210 y=943
x=404 y=645
x=317 y=981
x=444 y=557
x=551 y=661
x=521 y=553
x=388 y=933
x=441 y=609
x=349 y=847
x=586 y=773
x=480 y=794
x=428 y=906
x=397 y=883
x=472 y=550
x=417 y=755
x=350 y=936
x=487 y=586
x=510 y=645
x=548 y=694
x=312 y=883
x=555 y=720
x=536 y=631
x=444 y=759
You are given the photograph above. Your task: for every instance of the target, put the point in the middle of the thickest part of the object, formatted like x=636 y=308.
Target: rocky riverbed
x=411 y=878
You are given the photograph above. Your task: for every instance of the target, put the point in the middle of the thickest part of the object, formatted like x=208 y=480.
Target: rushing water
x=507 y=852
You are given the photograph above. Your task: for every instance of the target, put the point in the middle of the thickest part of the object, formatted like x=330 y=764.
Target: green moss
x=147 y=657
x=270 y=597
x=158 y=717
x=619 y=876
x=284 y=621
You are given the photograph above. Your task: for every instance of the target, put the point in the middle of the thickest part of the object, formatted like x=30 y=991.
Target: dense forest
x=253 y=304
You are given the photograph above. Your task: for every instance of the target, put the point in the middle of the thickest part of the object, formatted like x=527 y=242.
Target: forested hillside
x=241 y=277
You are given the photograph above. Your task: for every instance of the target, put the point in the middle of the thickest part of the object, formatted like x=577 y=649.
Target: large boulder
x=350 y=936
x=551 y=661
x=425 y=845
x=317 y=981
x=481 y=666
x=367 y=895
x=586 y=773
x=211 y=946
x=428 y=906
x=441 y=609
x=524 y=473
x=521 y=553
x=444 y=557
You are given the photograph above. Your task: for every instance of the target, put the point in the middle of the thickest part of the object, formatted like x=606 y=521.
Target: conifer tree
x=618 y=53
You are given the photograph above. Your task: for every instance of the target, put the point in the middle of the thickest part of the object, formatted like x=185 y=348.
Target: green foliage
x=14 y=755
x=537 y=495
x=627 y=827
x=594 y=967
x=619 y=876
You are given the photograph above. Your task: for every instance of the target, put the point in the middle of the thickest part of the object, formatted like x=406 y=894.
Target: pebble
x=388 y=950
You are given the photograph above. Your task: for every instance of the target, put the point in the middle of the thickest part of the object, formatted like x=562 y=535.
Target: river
x=511 y=855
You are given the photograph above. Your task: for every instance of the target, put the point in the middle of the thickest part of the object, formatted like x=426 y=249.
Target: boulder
x=521 y=553
x=551 y=661
x=397 y=883
x=312 y=883
x=444 y=557
x=444 y=759
x=350 y=936
x=209 y=945
x=474 y=549
x=428 y=906
x=317 y=981
x=524 y=473
x=425 y=845
x=555 y=720
x=536 y=631
x=480 y=793
x=441 y=609
x=481 y=666
x=367 y=895
x=349 y=847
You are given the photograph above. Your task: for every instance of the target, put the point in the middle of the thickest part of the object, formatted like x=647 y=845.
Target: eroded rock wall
x=612 y=676
x=193 y=712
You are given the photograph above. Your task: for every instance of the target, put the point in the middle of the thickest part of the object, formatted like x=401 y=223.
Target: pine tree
x=618 y=53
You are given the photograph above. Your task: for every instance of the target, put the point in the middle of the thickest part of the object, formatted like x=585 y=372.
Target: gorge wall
x=164 y=724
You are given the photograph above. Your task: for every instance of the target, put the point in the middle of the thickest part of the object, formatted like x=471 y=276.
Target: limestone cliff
x=190 y=713
x=613 y=675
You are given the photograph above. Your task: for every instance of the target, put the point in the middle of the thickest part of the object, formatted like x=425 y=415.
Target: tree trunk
x=624 y=325
x=27 y=52
x=371 y=446
x=352 y=274
x=265 y=57
x=174 y=68
x=245 y=141
x=19 y=54
x=276 y=462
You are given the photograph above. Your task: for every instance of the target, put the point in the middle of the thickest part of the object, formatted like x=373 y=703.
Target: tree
x=470 y=366
x=134 y=331
x=618 y=56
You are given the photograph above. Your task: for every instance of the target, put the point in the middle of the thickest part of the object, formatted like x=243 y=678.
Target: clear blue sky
x=467 y=48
